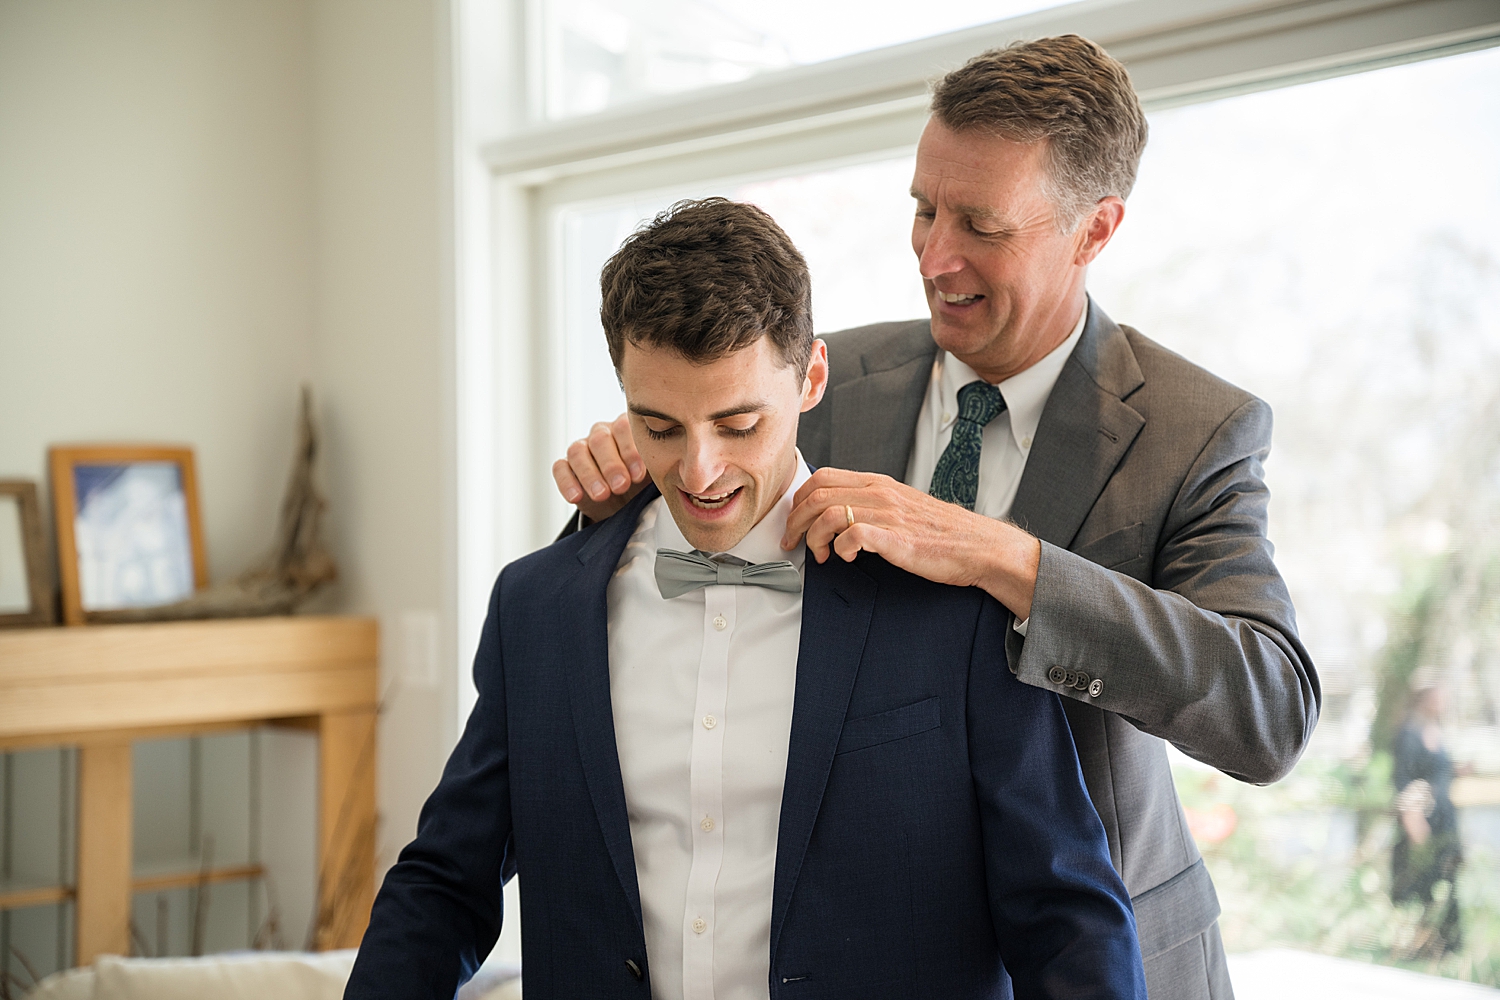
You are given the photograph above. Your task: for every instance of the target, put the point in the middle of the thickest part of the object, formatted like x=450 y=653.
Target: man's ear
x=816 y=382
x=1097 y=228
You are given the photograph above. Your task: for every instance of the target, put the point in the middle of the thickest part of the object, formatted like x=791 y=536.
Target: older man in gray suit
x=1105 y=490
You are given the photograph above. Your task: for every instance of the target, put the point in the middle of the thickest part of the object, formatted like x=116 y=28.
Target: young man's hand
x=602 y=471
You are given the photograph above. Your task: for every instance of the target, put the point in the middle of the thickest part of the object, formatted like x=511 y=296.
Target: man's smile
x=957 y=298
x=710 y=506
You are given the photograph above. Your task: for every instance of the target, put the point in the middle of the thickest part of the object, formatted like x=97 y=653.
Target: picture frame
x=129 y=526
x=26 y=597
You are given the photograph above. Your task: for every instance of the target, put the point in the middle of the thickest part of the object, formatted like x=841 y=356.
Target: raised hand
x=602 y=471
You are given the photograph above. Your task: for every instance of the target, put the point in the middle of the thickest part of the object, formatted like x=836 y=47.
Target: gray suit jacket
x=1158 y=613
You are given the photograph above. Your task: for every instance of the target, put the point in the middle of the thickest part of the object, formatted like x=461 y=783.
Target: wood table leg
x=102 y=911
x=346 y=828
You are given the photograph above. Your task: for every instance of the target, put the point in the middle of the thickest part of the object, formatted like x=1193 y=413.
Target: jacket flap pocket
x=1116 y=548
x=1178 y=910
x=897 y=724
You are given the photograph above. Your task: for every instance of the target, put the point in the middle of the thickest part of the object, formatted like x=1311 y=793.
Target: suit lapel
x=838 y=600
x=874 y=415
x=584 y=654
x=1085 y=431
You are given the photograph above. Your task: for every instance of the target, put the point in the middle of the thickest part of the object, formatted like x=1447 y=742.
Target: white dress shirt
x=702 y=687
x=1007 y=439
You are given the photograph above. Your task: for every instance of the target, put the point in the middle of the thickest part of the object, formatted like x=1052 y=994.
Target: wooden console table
x=101 y=687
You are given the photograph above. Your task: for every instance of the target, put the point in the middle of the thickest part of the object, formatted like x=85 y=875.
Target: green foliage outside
x=1308 y=862
x=1337 y=908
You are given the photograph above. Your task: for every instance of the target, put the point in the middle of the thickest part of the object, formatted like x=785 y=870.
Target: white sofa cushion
x=249 y=976
x=241 y=976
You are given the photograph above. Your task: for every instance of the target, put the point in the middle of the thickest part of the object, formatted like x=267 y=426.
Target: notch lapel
x=584 y=653
x=1085 y=431
x=838 y=601
x=875 y=416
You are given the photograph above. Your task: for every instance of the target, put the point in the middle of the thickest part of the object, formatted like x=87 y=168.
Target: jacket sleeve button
x=1096 y=688
x=1056 y=675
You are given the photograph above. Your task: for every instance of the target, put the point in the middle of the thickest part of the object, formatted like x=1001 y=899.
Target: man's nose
x=937 y=250
x=702 y=465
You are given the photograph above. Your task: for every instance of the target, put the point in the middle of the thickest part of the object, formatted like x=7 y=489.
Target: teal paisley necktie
x=956 y=478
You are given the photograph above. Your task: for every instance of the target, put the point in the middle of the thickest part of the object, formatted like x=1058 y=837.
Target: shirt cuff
x=1021 y=626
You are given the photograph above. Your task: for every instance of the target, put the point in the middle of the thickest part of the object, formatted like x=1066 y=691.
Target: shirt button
x=947 y=417
x=720 y=622
x=707 y=824
x=1026 y=442
x=709 y=722
x=699 y=925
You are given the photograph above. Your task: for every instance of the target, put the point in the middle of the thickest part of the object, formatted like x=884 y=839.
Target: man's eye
x=739 y=432
x=661 y=435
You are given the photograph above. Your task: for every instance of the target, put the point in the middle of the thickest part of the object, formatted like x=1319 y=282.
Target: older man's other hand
x=602 y=471
x=931 y=538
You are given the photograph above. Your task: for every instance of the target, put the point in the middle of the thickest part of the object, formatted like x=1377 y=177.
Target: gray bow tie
x=678 y=573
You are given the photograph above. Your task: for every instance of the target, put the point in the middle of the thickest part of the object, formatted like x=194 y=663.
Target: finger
x=822 y=532
x=606 y=455
x=567 y=483
x=870 y=538
x=851 y=541
x=809 y=505
x=814 y=504
x=826 y=477
x=581 y=461
x=625 y=443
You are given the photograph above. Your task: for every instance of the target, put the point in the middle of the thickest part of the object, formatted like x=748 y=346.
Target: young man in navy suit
x=726 y=774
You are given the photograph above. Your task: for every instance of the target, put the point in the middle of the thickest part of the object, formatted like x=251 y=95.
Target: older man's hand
x=931 y=538
x=603 y=471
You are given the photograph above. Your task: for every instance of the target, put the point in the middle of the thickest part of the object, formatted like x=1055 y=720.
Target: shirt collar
x=763 y=543
x=1025 y=392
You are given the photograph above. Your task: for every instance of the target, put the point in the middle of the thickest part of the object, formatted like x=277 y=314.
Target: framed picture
x=129 y=533
x=25 y=584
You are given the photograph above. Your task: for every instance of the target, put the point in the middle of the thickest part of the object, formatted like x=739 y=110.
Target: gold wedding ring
x=849 y=516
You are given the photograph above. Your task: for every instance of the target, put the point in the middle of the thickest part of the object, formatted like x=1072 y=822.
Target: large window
x=1325 y=243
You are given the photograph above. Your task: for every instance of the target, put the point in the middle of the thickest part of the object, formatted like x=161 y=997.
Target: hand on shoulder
x=602 y=472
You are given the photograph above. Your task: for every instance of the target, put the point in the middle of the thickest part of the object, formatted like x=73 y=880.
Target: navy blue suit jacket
x=935 y=831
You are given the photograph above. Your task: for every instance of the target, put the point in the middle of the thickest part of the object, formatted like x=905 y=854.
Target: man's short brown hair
x=1066 y=91
x=705 y=279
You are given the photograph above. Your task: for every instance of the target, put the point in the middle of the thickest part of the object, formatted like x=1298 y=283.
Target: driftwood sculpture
x=297 y=564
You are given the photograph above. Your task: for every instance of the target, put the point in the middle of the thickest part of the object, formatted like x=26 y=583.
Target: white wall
x=203 y=204
x=379 y=356
x=155 y=240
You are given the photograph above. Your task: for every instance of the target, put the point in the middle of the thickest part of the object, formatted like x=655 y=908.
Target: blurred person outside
x=1428 y=850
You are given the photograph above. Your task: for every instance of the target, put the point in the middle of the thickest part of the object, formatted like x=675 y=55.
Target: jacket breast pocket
x=1117 y=548
x=886 y=727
